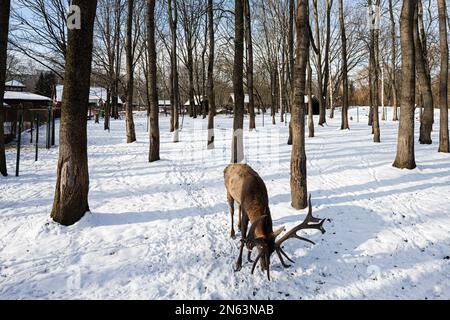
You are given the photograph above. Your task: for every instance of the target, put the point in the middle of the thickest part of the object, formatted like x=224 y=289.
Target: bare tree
x=72 y=184
x=393 y=62
x=298 y=158
x=238 y=73
x=131 y=133
x=327 y=57
x=152 y=82
x=249 y=42
x=375 y=63
x=41 y=32
x=211 y=94
x=444 y=145
x=174 y=92
x=405 y=158
x=344 y=122
x=423 y=75
x=5 y=7
x=310 y=102
x=322 y=116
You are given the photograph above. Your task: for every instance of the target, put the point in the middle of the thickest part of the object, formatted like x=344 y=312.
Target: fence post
x=37 y=137
x=47 y=142
x=53 y=126
x=19 y=140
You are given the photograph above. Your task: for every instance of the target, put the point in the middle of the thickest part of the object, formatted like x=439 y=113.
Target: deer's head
x=270 y=244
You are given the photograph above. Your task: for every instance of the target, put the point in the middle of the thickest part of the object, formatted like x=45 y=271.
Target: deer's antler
x=310 y=222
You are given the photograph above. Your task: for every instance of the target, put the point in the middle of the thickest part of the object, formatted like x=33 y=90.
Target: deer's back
x=242 y=182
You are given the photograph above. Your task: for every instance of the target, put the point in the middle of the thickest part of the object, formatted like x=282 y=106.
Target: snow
x=161 y=230
x=96 y=94
x=26 y=96
x=14 y=83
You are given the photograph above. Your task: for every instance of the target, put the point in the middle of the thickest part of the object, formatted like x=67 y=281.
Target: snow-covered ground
x=161 y=230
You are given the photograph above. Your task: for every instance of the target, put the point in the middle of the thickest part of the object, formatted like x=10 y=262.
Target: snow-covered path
x=161 y=231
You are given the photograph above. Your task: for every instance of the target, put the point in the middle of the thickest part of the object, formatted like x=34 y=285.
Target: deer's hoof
x=238 y=267
x=233 y=235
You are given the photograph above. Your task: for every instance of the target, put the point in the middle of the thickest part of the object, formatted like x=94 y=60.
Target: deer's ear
x=277 y=232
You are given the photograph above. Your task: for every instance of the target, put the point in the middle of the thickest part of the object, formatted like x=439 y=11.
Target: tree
x=108 y=52
x=405 y=158
x=291 y=58
x=5 y=7
x=298 y=157
x=46 y=84
x=190 y=14
x=375 y=67
x=310 y=102
x=131 y=133
x=344 y=123
x=153 y=88
x=423 y=75
x=393 y=62
x=174 y=92
x=444 y=145
x=41 y=34
x=322 y=115
x=72 y=184
x=327 y=58
x=249 y=42
x=238 y=84
x=211 y=95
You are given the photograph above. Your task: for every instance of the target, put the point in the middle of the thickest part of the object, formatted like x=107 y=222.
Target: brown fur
x=247 y=188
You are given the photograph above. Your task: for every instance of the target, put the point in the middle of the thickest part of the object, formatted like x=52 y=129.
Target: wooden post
x=37 y=137
x=53 y=126
x=19 y=140
x=31 y=127
x=49 y=115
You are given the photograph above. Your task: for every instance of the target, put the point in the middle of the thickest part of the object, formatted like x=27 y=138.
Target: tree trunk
x=427 y=118
x=344 y=120
x=175 y=93
x=190 y=68
x=298 y=158
x=211 y=95
x=238 y=84
x=405 y=158
x=310 y=102
x=5 y=7
x=322 y=115
x=152 y=82
x=291 y=60
x=326 y=81
x=393 y=62
x=107 y=110
x=131 y=133
x=72 y=184
x=444 y=145
x=250 y=85
x=376 y=81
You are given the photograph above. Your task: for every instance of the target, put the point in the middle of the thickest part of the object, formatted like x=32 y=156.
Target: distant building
x=14 y=85
x=164 y=106
x=246 y=99
x=198 y=100
x=16 y=100
x=97 y=95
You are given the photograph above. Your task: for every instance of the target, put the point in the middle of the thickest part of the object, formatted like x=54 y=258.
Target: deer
x=246 y=187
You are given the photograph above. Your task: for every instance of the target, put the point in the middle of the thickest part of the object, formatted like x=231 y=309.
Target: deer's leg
x=239 y=216
x=231 y=203
x=244 y=226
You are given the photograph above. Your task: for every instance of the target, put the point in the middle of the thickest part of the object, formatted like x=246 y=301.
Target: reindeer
x=247 y=188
